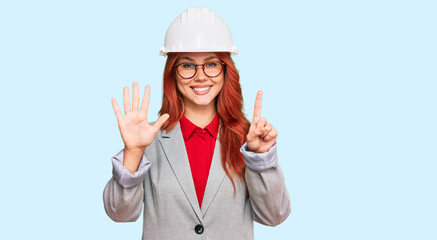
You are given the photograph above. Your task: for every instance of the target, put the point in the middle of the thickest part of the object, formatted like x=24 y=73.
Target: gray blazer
x=164 y=185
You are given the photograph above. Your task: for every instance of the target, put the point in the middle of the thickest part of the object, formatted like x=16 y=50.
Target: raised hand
x=135 y=130
x=262 y=135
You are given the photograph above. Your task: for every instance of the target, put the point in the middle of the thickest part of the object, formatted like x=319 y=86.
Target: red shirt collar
x=187 y=127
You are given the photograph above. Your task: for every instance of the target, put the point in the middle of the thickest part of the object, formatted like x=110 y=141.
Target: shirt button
x=198 y=229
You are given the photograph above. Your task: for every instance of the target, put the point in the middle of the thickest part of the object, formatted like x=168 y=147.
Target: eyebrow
x=192 y=60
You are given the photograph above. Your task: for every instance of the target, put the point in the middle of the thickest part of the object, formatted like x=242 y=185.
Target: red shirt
x=200 y=143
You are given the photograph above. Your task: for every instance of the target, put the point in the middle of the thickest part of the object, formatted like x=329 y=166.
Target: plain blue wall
x=350 y=86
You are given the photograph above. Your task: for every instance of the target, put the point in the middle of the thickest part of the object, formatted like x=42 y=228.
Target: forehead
x=197 y=56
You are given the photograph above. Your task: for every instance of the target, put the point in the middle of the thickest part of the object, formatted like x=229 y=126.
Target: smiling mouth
x=202 y=89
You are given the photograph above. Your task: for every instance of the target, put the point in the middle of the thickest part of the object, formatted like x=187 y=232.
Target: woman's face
x=200 y=90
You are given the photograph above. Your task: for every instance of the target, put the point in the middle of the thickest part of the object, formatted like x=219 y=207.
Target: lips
x=201 y=90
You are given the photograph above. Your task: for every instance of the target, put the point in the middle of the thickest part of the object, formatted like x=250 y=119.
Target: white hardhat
x=198 y=30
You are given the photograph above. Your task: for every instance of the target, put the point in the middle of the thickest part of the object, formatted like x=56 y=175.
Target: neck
x=201 y=116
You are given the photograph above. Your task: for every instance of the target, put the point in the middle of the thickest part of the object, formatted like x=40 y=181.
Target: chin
x=203 y=103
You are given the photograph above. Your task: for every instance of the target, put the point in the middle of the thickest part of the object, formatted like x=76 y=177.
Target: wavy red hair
x=229 y=105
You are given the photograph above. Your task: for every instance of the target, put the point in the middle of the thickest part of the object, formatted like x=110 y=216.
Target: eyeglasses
x=188 y=70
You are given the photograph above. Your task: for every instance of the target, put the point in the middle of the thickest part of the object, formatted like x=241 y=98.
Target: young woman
x=202 y=170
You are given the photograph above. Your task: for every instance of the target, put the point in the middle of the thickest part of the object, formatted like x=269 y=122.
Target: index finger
x=258 y=103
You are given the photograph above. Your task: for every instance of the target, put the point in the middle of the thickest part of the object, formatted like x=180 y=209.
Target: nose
x=200 y=74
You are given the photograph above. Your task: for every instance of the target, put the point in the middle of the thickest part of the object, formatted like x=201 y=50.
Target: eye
x=211 y=64
x=187 y=65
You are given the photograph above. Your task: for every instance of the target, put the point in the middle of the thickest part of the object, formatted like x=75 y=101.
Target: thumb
x=161 y=120
x=251 y=135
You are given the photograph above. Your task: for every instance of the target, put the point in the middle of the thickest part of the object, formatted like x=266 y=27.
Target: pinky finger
x=116 y=109
x=272 y=135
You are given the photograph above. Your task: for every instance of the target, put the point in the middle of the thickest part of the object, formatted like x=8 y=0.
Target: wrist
x=134 y=150
x=251 y=150
x=132 y=159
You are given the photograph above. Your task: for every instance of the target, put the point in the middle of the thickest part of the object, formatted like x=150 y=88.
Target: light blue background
x=350 y=86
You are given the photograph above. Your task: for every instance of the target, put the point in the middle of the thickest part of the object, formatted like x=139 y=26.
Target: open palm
x=135 y=130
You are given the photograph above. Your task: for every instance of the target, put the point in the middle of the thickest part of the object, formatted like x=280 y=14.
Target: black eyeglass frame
x=176 y=66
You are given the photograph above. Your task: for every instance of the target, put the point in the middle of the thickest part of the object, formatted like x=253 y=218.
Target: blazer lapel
x=215 y=179
x=173 y=144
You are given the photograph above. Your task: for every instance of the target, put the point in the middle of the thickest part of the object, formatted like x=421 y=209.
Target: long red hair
x=229 y=105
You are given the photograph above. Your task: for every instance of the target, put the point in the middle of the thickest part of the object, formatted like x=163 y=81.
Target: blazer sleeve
x=124 y=193
x=266 y=186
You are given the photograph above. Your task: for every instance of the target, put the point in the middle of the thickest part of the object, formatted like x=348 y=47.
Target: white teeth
x=201 y=89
